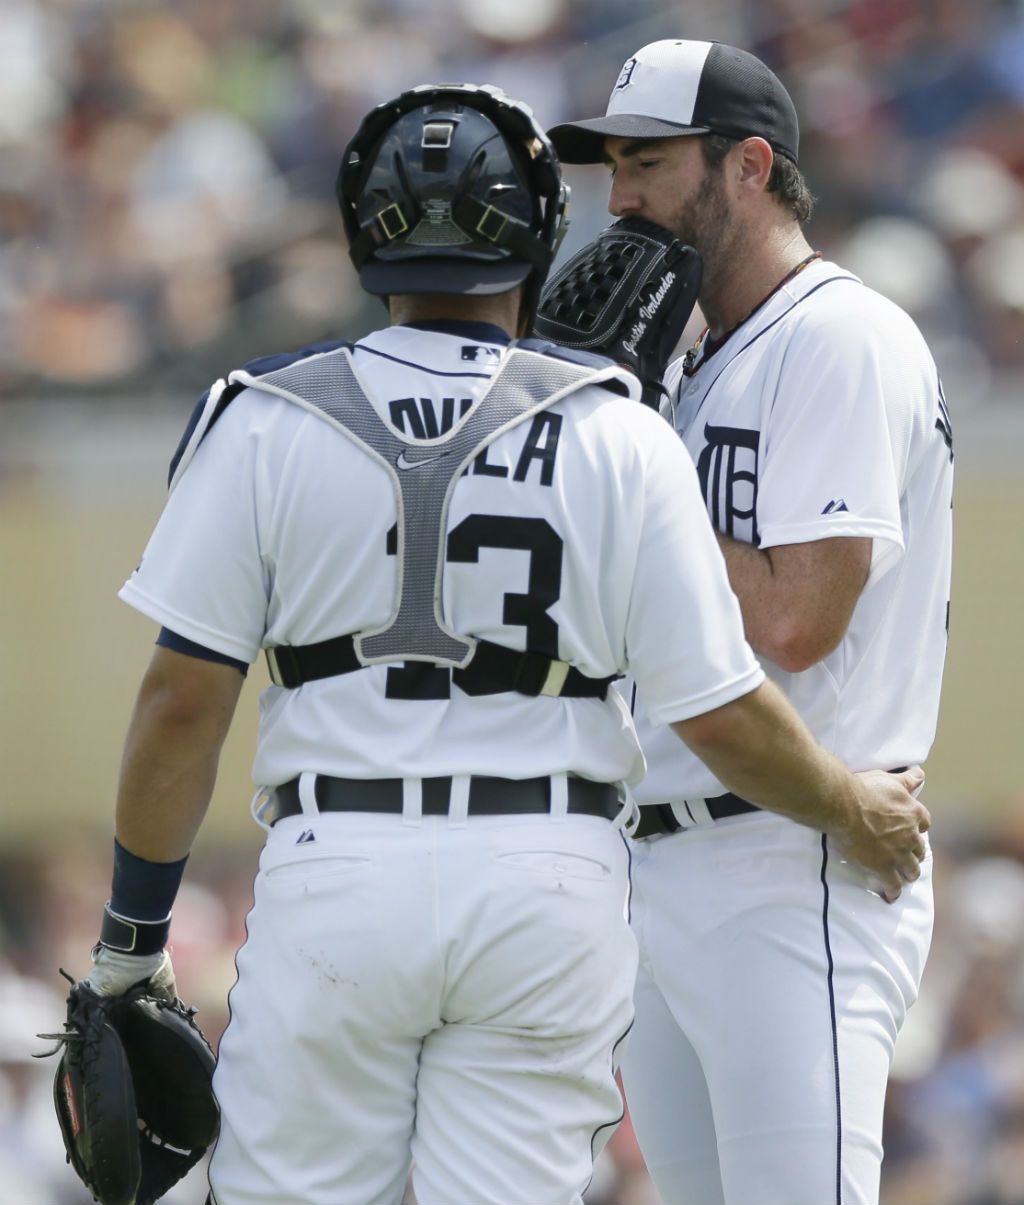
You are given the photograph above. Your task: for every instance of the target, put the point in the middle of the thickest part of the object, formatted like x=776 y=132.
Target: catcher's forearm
x=182 y=715
x=166 y=783
x=758 y=747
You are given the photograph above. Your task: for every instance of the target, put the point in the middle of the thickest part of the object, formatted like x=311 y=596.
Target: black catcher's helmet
x=452 y=188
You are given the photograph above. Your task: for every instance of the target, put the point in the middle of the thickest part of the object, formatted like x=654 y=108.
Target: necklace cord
x=709 y=345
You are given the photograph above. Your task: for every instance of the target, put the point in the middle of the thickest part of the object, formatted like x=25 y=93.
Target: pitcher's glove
x=627 y=295
x=133 y=1092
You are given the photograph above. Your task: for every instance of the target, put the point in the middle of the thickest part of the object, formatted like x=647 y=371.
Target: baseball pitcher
x=774 y=972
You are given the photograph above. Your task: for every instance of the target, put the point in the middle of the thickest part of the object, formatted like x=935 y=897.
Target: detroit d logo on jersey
x=727 y=468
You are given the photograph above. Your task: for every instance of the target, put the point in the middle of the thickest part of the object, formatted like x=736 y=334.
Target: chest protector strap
x=423 y=475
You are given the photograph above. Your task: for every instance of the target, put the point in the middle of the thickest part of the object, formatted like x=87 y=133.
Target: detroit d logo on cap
x=625 y=75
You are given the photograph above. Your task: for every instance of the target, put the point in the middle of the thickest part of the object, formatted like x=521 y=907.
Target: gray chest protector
x=423 y=475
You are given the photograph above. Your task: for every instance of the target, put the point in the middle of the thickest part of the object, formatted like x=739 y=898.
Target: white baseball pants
x=772 y=985
x=450 y=993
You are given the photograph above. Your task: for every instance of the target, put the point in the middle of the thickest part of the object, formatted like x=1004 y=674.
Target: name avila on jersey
x=418 y=418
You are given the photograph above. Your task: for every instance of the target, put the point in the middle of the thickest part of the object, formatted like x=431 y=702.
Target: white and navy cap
x=674 y=87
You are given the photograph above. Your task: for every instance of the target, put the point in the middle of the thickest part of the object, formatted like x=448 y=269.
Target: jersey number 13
x=529 y=610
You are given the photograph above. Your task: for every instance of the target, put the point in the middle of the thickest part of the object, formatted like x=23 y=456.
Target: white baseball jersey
x=773 y=978
x=580 y=534
x=802 y=432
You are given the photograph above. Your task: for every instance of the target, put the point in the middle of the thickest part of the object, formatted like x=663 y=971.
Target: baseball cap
x=673 y=87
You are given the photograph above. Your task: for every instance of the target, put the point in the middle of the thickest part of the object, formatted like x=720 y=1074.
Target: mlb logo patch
x=477 y=353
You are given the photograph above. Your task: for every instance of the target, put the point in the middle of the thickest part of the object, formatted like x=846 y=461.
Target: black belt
x=658 y=818
x=487 y=796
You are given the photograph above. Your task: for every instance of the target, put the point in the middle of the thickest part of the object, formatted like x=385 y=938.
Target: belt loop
x=559 y=797
x=272 y=667
x=629 y=813
x=307 y=793
x=412 y=801
x=690 y=812
x=458 y=801
x=258 y=807
x=555 y=678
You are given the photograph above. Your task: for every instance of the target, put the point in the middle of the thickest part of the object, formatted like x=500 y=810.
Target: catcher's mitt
x=133 y=1093
x=627 y=295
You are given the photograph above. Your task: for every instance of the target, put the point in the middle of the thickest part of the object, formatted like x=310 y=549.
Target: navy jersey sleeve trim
x=230 y=391
x=264 y=364
x=256 y=368
x=190 y=427
x=179 y=644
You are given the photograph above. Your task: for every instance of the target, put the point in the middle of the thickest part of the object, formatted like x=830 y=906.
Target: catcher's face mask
x=451 y=189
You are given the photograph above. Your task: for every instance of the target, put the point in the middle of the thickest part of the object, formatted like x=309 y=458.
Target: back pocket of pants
x=306 y=870
x=555 y=864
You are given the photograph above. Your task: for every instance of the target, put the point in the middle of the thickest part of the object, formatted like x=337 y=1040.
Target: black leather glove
x=627 y=295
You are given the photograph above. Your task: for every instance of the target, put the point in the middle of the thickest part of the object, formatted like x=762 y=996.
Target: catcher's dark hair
x=786 y=179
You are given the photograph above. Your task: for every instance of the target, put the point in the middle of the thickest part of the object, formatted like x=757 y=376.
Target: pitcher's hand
x=887 y=833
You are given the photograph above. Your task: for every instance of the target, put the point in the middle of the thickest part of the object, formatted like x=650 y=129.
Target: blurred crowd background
x=167 y=169
x=167 y=213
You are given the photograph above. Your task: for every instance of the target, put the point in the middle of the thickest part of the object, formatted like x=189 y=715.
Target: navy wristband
x=142 y=890
x=132 y=936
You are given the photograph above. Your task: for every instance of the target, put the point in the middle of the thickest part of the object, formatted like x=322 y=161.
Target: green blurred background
x=166 y=213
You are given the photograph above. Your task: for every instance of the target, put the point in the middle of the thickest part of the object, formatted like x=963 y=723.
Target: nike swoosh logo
x=403 y=463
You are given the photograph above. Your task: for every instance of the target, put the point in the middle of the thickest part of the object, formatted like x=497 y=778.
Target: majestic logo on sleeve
x=727 y=468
